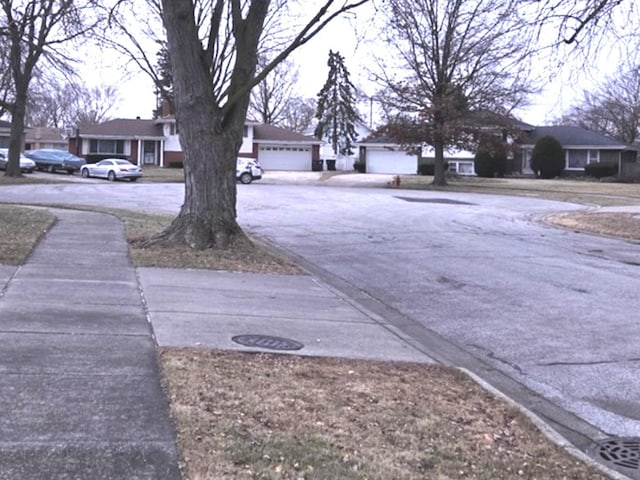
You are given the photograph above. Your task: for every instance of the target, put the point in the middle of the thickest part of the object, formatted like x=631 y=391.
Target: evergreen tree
x=163 y=80
x=547 y=158
x=336 y=112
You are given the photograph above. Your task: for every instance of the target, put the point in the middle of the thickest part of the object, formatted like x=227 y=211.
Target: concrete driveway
x=472 y=276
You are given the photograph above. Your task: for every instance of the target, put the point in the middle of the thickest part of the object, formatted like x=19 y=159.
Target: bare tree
x=48 y=103
x=456 y=59
x=269 y=98
x=298 y=114
x=583 y=22
x=613 y=108
x=31 y=32
x=93 y=104
x=54 y=105
x=214 y=47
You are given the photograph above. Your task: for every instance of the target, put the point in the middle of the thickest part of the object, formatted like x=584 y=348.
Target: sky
x=354 y=39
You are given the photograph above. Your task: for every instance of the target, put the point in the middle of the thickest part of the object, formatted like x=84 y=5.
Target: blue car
x=53 y=160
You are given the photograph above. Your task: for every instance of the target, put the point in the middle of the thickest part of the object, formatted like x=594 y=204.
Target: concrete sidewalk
x=202 y=308
x=81 y=390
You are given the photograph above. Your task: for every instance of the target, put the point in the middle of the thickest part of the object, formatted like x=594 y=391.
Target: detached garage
x=280 y=149
x=281 y=157
x=382 y=156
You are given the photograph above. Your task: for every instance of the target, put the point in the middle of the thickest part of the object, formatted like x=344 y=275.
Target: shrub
x=547 y=158
x=429 y=168
x=490 y=164
x=601 y=170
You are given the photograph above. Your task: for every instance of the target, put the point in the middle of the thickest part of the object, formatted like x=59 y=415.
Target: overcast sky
x=355 y=42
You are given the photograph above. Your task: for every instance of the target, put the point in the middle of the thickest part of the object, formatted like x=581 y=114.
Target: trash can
x=316 y=165
x=331 y=165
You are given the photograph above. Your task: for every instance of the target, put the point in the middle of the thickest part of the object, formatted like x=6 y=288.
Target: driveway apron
x=80 y=385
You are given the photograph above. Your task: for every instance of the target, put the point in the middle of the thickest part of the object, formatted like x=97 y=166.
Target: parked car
x=51 y=160
x=26 y=165
x=248 y=170
x=112 y=169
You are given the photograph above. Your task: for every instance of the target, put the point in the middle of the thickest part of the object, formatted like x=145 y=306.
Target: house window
x=578 y=159
x=112 y=147
x=245 y=131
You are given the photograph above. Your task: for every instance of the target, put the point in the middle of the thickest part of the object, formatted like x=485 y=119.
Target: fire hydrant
x=396 y=180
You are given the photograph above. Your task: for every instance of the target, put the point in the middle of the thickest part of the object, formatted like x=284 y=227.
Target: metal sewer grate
x=622 y=452
x=267 y=341
x=446 y=201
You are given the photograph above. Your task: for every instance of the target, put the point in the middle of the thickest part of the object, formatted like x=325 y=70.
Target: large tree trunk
x=438 y=167
x=17 y=132
x=207 y=218
x=210 y=137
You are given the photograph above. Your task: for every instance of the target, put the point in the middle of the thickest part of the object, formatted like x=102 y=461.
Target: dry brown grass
x=286 y=417
x=583 y=191
x=24 y=179
x=153 y=174
x=20 y=230
x=621 y=225
x=242 y=257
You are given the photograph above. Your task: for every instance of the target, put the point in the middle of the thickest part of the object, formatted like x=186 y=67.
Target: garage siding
x=387 y=161
x=275 y=157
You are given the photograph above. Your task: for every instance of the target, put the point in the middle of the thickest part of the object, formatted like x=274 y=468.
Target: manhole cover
x=268 y=342
x=623 y=452
x=446 y=201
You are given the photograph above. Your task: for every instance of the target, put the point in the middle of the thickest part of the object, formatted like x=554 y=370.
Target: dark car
x=52 y=160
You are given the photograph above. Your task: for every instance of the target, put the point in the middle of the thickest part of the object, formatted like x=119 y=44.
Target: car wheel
x=111 y=176
x=71 y=172
x=246 y=178
x=51 y=169
x=85 y=173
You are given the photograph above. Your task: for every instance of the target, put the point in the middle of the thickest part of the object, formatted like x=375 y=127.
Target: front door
x=526 y=161
x=149 y=152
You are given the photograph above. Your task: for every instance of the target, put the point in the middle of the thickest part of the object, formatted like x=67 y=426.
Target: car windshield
x=123 y=162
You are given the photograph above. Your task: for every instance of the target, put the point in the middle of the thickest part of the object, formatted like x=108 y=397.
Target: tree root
x=188 y=233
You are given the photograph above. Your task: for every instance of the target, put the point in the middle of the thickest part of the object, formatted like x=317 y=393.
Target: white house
x=460 y=161
x=380 y=154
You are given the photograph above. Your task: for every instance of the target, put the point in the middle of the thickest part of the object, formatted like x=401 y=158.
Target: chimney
x=166 y=108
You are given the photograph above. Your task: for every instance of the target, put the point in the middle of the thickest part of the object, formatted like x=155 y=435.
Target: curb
x=551 y=434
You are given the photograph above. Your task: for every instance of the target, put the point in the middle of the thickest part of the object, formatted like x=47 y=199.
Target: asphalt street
x=553 y=310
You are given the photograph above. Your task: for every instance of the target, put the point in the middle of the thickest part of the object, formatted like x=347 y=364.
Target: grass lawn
x=264 y=416
x=24 y=179
x=20 y=229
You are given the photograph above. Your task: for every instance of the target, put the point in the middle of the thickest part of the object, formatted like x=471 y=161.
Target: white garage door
x=385 y=161
x=285 y=158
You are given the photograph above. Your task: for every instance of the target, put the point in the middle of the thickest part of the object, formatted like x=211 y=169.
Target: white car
x=248 y=170
x=26 y=164
x=112 y=169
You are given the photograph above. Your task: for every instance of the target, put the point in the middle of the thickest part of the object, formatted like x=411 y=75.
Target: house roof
x=44 y=134
x=570 y=136
x=269 y=133
x=379 y=138
x=122 y=128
